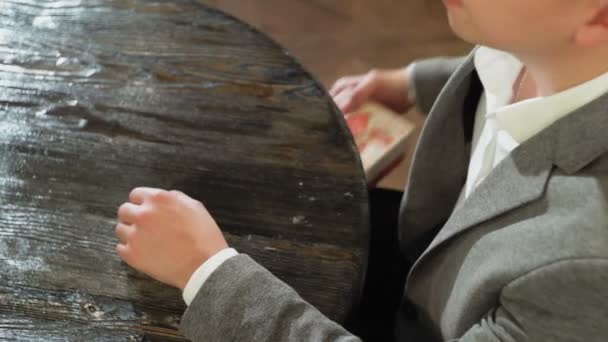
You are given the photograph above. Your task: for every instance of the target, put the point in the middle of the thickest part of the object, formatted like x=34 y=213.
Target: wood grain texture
x=100 y=96
x=335 y=38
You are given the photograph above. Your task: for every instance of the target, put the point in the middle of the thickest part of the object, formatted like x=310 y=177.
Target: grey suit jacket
x=524 y=258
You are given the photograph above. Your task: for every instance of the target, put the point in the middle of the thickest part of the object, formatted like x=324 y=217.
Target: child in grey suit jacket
x=505 y=216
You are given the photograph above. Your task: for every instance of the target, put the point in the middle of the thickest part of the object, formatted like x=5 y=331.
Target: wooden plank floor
x=333 y=38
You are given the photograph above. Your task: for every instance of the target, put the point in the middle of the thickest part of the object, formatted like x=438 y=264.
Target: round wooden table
x=98 y=97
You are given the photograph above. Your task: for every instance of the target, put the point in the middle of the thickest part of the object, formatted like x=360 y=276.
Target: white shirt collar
x=498 y=71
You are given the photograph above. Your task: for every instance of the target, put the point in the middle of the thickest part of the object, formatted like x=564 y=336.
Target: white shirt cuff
x=409 y=76
x=200 y=276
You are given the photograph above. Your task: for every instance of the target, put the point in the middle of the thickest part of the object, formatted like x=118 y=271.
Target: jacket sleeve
x=564 y=301
x=242 y=301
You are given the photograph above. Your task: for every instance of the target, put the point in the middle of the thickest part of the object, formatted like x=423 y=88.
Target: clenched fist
x=166 y=235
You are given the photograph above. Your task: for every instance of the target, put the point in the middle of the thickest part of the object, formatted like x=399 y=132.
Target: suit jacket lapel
x=570 y=144
x=518 y=180
x=441 y=159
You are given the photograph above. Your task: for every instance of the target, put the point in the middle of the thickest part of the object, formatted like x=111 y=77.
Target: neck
x=556 y=72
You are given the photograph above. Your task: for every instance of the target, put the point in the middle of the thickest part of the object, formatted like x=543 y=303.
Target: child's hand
x=388 y=87
x=166 y=235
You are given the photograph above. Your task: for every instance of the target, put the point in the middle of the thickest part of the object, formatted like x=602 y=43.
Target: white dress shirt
x=499 y=128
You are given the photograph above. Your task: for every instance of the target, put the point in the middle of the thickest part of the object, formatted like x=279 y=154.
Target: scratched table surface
x=100 y=96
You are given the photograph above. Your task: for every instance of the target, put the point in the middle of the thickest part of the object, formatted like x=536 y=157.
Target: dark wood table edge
x=357 y=289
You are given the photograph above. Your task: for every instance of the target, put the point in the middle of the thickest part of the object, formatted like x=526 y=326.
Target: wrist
x=410 y=90
x=192 y=265
x=203 y=272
